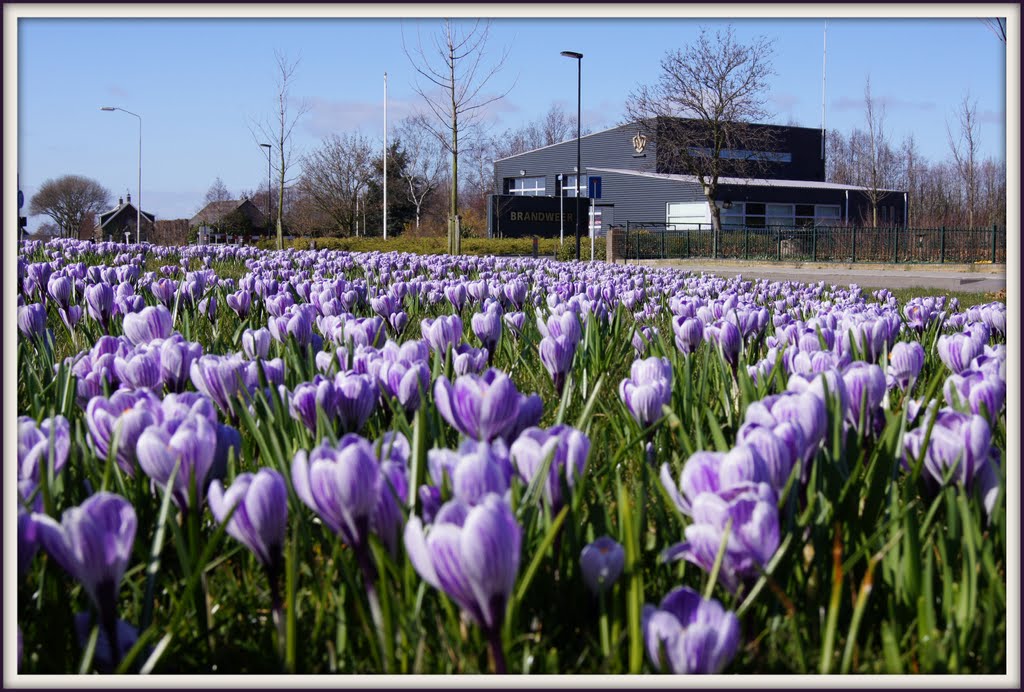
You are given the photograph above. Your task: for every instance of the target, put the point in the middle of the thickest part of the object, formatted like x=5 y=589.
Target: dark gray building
x=639 y=186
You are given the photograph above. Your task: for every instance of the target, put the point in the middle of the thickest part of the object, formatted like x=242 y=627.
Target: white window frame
x=517 y=186
x=569 y=185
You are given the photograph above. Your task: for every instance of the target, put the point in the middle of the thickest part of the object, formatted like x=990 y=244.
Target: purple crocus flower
x=778 y=453
x=176 y=358
x=99 y=299
x=958 y=440
x=356 y=399
x=140 y=368
x=474 y=471
x=697 y=636
x=32 y=320
x=256 y=343
x=515 y=293
x=568 y=449
x=239 y=302
x=37 y=453
x=308 y=397
x=865 y=386
x=442 y=333
x=753 y=536
x=93 y=543
x=905 y=362
x=977 y=389
x=601 y=563
x=60 y=289
x=127 y=414
x=958 y=350
x=647 y=390
x=189 y=443
x=726 y=336
x=404 y=381
x=164 y=290
x=481 y=407
x=221 y=378
x=261 y=517
x=714 y=472
x=456 y=295
x=487 y=327
x=556 y=354
x=472 y=554
x=341 y=484
x=208 y=307
x=153 y=322
x=28 y=540
x=515 y=321
x=468 y=360
x=566 y=324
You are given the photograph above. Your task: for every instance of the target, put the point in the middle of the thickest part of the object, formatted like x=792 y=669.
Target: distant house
x=229 y=221
x=120 y=220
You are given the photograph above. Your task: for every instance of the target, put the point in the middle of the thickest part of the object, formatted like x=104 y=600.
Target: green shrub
x=502 y=247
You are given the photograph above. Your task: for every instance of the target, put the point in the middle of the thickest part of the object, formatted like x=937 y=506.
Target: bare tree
x=425 y=163
x=454 y=65
x=997 y=26
x=335 y=175
x=965 y=153
x=699 y=114
x=912 y=168
x=875 y=159
x=277 y=130
x=553 y=127
x=70 y=201
x=218 y=192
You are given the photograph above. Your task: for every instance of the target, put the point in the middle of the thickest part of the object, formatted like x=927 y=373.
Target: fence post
x=663 y=242
x=638 y=247
x=778 y=243
x=895 y=247
x=814 y=243
x=746 y=243
x=942 y=245
x=993 y=243
x=854 y=261
x=687 y=243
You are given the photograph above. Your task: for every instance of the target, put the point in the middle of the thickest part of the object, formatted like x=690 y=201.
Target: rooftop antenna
x=824 y=46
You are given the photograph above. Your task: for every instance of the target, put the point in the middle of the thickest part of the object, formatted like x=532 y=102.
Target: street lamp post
x=267 y=147
x=579 y=170
x=561 y=212
x=138 y=209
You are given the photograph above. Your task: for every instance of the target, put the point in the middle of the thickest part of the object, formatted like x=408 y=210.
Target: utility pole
x=385 y=156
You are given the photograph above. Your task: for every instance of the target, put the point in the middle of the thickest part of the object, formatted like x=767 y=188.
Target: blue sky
x=198 y=82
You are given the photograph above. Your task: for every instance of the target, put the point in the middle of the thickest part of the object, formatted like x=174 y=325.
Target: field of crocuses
x=240 y=461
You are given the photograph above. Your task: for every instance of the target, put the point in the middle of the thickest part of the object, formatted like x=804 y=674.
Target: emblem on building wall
x=639 y=142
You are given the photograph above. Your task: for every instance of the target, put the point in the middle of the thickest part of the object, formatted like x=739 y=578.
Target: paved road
x=985 y=281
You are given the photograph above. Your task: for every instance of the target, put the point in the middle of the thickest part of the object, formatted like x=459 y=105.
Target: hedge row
x=515 y=247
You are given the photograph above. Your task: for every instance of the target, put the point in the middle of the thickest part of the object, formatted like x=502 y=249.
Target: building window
x=733 y=217
x=533 y=187
x=569 y=186
x=780 y=214
x=826 y=214
x=686 y=215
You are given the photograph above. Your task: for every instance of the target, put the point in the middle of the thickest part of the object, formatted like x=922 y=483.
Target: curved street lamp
x=138 y=208
x=579 y=171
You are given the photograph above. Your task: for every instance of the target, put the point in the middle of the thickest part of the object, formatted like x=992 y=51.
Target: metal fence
x=846 y=244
